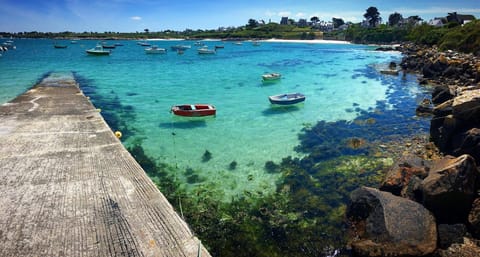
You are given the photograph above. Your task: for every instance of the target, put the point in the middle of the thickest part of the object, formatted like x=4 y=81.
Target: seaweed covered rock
x=388 y=225
x=450 y=187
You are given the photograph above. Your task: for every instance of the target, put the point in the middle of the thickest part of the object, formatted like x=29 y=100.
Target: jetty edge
x=69 y=187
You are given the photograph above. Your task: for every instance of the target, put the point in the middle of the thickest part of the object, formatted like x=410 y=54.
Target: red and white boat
x=194 y=110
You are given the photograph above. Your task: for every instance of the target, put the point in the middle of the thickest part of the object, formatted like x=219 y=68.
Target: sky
x=160 y=15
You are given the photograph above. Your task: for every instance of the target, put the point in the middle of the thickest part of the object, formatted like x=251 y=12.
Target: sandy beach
x=313 y=41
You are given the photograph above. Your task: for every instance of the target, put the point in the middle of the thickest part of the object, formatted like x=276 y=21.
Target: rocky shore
x=429 y=207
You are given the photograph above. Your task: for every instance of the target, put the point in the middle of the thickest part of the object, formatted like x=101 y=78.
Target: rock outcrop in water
x=448 y=188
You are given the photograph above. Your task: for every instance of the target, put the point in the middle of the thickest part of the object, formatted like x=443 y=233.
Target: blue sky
x=137 y=15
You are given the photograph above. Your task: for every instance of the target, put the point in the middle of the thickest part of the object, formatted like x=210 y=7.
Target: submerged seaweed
x=113 y=112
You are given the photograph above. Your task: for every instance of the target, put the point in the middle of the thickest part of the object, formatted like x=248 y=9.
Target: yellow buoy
x=118 y=134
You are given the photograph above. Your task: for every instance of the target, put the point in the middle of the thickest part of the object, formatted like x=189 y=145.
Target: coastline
x=451 y=213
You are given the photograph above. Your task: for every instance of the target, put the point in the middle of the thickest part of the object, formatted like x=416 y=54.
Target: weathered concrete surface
x=69 y=188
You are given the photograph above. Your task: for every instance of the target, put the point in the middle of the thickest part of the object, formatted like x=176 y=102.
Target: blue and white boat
x=286 y=99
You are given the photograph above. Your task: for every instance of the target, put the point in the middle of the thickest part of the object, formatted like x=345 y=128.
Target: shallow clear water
x=337 y=79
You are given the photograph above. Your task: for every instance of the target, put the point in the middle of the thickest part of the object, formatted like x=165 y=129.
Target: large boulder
x=469 y=248
x=450 y=234
x=442 y=93
x=450 y=187
x=403 y=170
x=466 y=106
x=467 y=142
x=474 y=218
x=387 y=225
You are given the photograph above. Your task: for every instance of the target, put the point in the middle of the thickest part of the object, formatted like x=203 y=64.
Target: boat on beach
x=98 y=50
x=194 y=110
x=287 y=99
x=271 y=76
x=155 y=50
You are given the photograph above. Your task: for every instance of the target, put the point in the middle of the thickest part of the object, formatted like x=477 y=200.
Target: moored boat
x=286 y=99
x=271 y=76
x=98 y=50
x=205 y=50
x=194 y=110
x=180 y=47
x=108 y=46
x=59 y=46
x=155 y=50
x=143 y=43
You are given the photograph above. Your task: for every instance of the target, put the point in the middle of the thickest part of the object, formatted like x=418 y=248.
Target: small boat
x=143 y=43
x=194 y=110
x=180 y=47
x=271 y=76
x=108 y=46
x=198 y=43
x=286 y=99
x=219 y=47
x=155 y=50
x=256 y=43
x=118 y=44
x=98 y=50
x=60 y=46
x=205 y=50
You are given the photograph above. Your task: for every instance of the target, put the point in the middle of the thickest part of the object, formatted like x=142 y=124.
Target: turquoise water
x=247 y=129
x=135 y=91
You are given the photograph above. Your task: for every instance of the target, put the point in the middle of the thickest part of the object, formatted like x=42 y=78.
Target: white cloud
x=284 y=14
x=300 y=15
x=270 y=13
x=136 y=18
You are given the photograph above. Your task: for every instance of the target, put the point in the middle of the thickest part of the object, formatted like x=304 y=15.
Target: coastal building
x=284 y=21
x=460 y=18
x=437 y=22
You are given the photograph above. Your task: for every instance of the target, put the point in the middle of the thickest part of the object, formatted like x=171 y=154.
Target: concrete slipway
x=68 y=187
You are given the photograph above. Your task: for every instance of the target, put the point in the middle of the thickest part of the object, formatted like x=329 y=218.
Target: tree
x=337 y=22
x=314 y=19
x=252 y=24
x=394 y=19
x=146 y=30
x=412 y=20
x=373 y=16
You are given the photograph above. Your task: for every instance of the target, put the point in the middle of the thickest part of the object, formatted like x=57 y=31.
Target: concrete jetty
x=68 y=187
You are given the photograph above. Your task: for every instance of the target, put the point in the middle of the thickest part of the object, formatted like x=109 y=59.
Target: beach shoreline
x=310 y=41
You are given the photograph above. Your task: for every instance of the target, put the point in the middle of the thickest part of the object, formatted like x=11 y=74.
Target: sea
x=247 y=150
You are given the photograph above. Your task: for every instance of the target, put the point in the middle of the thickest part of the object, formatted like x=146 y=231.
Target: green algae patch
x=304 y=216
